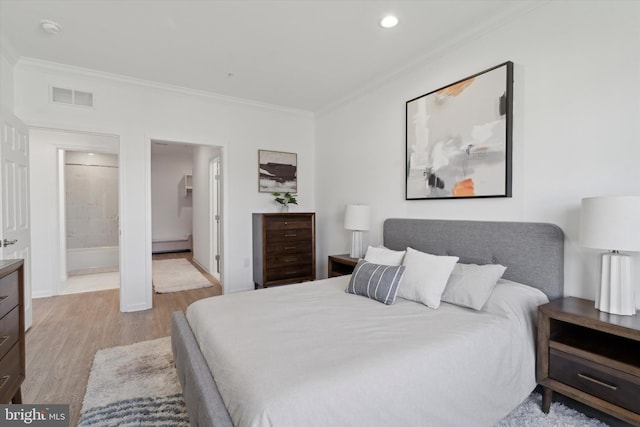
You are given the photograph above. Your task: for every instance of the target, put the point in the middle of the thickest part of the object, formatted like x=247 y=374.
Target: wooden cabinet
x=339 y=265
x=12 y=343
x=284 y=248
x=590 y=356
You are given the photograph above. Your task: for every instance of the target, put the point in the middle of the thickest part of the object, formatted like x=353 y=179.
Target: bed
x=311 y=354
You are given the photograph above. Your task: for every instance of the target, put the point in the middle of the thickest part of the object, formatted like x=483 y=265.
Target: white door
x=215 y=210
x=15 y=236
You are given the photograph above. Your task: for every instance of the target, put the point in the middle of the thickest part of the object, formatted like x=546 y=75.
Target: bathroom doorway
x=90 y=232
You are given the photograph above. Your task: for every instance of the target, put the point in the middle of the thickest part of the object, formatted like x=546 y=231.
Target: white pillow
x=383 y=256
x=425 y=277
x=470 y=285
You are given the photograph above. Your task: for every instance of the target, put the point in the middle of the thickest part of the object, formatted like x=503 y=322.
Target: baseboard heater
x=178 y=244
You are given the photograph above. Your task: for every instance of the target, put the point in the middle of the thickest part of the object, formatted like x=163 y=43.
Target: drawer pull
x=3 y=339
x=602 y=383
x=288 y=248
x=290 y=235
x=2 y=298
x=3 y=381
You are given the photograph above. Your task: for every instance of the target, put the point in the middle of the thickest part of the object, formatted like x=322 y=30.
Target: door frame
x=60 y=238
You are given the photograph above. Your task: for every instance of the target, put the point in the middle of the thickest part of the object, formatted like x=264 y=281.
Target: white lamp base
x=356 y=245
x=616 y=294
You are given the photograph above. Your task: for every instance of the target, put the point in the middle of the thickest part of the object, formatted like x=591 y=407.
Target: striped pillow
x=376 y=281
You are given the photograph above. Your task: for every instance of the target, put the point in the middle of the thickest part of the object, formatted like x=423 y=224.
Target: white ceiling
x=303 y=54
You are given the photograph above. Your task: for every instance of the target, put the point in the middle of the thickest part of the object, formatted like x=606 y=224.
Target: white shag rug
x=172 y=275
x=137 y=385
x=134 y=385
x=529 y=414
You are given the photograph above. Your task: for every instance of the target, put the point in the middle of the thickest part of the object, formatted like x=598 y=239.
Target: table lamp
x=356 y=218
x=613 y=223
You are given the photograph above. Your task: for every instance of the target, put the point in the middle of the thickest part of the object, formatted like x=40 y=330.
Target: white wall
x=140 y=111
x=172 y=210
x=576 y=129
x=6 y=81
x=46 y=222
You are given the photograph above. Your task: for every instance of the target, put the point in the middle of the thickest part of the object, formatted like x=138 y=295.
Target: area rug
x=137 y=385
x=172 y=275
x=134 y=385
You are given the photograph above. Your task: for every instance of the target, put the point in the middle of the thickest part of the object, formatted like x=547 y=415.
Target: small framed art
x=278 y=172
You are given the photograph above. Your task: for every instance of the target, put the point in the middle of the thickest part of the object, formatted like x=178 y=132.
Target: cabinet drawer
x=287 y=248
x=9 y=330
x=284 y=260
x=608 y=384
x=9 y=297
x=289 y=272
x=283 y=236
x=11 y=374
x=287 y=223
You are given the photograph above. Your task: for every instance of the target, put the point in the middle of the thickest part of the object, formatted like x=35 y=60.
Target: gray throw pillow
x=470 y=285
x=376 y=281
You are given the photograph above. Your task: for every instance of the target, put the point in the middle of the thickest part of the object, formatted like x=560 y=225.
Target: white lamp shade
x=611 y=223
x=356 y=217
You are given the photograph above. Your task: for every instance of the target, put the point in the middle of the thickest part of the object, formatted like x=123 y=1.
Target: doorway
x=185 y=208
x=49 y=150
x=90 y=232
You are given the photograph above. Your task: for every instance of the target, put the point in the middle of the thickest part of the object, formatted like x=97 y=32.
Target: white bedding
x=313 y=355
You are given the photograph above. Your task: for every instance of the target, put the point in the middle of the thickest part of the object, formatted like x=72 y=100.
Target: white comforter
x=312 y=355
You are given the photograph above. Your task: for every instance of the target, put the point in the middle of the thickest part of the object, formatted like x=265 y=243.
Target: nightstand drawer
x=595 y=379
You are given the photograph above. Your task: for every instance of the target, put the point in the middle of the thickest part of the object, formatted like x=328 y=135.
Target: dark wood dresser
x=12 y=352
x=284 y=248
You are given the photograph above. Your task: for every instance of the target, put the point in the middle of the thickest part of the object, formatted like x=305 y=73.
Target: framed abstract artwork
x=278 y=172
x=459 y=137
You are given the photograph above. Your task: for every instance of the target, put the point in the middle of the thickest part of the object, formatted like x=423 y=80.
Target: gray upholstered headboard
x=532 y=252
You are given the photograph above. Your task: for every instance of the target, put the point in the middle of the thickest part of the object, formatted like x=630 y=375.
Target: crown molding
x=86 y=72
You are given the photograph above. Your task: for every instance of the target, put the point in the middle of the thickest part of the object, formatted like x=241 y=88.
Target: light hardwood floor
x=67 y=331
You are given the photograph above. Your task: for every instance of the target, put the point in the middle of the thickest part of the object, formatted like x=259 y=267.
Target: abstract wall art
x=277 y=171
x=458 y=138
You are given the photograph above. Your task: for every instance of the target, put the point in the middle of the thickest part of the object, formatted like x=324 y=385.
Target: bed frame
x=532 y=252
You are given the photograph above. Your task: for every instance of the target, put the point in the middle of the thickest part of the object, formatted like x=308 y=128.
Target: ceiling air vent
x=71 y=97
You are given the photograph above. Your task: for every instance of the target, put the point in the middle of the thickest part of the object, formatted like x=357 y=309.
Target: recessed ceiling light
x=389 y=21
x=50 y=27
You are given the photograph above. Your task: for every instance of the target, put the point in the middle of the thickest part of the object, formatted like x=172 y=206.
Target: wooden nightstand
x=590 y=356
x=339 y=265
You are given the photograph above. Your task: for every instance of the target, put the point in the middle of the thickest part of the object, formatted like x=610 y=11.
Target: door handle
x=7 y=242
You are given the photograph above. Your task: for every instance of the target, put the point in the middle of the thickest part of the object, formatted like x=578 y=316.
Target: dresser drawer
x=287 y=223
x=288 y=260
x=9 y=293
x=598 y=380
x=11 y=374
x=288 y=247
x=293 y=235
x=9 y=330
x=290 y=272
